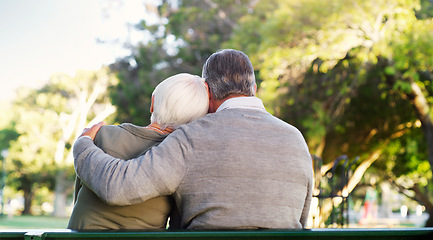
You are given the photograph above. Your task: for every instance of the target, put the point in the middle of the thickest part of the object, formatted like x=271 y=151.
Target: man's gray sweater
x=234 y=169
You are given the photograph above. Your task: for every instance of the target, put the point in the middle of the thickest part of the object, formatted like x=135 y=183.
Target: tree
x=48 y=120
x=410 y=70
x=322 y=61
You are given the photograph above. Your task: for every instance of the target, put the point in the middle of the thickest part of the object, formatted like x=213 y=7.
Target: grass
x=33 y=222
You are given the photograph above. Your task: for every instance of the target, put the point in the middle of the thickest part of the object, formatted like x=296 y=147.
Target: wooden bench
x=325 y=233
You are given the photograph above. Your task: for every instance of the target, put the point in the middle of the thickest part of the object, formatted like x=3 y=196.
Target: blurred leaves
x=44 y=124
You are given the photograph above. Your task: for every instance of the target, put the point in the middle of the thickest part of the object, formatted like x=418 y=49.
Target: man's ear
x=151 y=103
x=209 y=94
x=255 y=89
x=211 y=100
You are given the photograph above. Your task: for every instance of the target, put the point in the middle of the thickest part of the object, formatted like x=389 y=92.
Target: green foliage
x=32 y=152
x=7 y=135
x=425 y=10
x=7 y=127
x=313 y=59
x=186 y=35
x=43 y=125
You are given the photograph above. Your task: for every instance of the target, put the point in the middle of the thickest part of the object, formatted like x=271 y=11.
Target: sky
x=44 y=37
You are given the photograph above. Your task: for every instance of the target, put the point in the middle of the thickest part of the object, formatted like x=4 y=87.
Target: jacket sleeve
x=307 y=204
x=77 y=188
x=118 y=182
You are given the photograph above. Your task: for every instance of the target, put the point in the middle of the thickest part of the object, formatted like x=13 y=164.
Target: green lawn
x=32 y=222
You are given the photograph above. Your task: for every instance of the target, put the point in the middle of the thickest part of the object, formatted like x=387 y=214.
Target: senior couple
x=212 y=158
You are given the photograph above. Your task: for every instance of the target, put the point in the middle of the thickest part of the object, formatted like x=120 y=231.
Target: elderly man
x=238 y=167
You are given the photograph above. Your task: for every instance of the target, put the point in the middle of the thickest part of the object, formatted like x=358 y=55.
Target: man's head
x=178 y=100
x=228 y=73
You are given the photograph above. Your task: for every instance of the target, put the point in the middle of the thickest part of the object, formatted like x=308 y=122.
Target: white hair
x=179 y=99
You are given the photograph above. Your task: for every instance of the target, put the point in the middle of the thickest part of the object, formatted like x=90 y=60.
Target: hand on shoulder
x=91 y=132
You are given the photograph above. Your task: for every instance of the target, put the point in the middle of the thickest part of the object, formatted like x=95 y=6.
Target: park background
x=354 y=76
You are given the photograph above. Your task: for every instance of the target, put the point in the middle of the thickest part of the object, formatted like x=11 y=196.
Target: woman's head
x=179 y=99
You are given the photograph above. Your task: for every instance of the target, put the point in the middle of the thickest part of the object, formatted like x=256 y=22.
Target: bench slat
x=322 y=234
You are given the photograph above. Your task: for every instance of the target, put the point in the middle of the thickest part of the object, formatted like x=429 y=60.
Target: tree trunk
x=60 y=195
x=28 y=197
x=423 y=198
x=385 y=210
x=422 y=110
x=429 y=222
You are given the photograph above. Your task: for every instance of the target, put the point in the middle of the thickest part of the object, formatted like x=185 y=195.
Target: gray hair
x=179 y=99
x=229 y=72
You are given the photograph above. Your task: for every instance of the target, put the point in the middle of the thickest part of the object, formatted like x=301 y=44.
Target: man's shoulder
x=253 y=114
x=236 y=115
x=244 y=118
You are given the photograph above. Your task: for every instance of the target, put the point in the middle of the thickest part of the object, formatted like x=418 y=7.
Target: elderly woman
x=177 y=100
